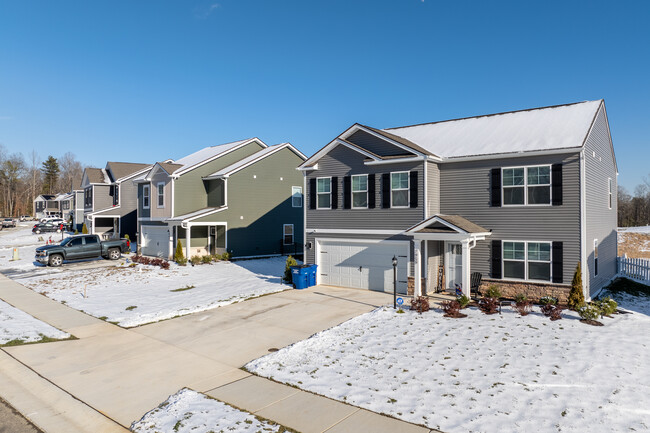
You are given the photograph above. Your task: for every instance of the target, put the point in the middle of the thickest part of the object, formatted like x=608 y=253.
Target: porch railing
x=636 y=269
x=294 y=249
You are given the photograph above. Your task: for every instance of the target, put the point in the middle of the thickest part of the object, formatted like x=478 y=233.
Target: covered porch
x=442 y=247
x=197 y=234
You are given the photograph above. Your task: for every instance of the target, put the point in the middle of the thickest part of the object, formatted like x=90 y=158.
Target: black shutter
x=556 y=184
x=347 y=192
x=371 y=191
x=496 y=187
x=496 y=259
x=558 y=262
x=413 y=192
x=312 y=193
x=385 y=190
x=335 y=192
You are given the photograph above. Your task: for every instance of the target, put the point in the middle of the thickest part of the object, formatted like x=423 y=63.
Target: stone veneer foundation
x=411 y=286
x=534 y=291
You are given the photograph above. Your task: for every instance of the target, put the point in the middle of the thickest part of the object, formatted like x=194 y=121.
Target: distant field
x=634 y=242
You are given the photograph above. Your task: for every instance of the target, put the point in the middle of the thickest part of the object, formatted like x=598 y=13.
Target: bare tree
x=71 y=170
x=11 y=170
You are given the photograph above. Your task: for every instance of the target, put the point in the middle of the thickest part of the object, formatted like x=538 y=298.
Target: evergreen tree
x=51 y=172
x=179 y=257
x=576 y=297
x=84 y=229
x=287 y=269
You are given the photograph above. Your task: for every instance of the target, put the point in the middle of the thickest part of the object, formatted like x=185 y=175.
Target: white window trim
x=525 y=186
x=408 y=189
x=323 y=193
x=595 y=257
x=297 y=189
x=284 y=234
x=146 y=193
x=526 y=261
x=158 y=195
x=352 y=206
x=609 y=193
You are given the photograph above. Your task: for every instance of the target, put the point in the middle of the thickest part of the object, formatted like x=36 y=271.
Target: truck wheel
x=114 y=254
x=56 y=260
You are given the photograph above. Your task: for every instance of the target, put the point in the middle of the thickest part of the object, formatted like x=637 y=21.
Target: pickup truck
x=81 y=247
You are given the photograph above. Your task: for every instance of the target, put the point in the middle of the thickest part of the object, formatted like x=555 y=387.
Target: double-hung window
x=527 y=260
x=360 y=191
x=296 y=196
x=287 y=234
x=161 y=194
x=145 y=197
x=323 y=193
x=399 y=189
x=527 y=185
x=116 y=195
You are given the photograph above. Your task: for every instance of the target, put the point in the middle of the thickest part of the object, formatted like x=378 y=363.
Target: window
x=145 y=197
x=595 y=257
x=76 y=242
x=323 y=193
x=527 y=260
x=399 y=189
x=296 y=196
x=91 y=240
x=527 y=185
x=161 y=194
x=609 y=191
x=116 y=195
x=360 y=191
x=88 y=196
x=287 y=234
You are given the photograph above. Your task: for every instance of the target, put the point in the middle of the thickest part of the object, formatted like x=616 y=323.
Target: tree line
x=634 y=210
x=23 y=179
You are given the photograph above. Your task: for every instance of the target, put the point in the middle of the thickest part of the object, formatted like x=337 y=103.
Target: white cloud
x=205 y=11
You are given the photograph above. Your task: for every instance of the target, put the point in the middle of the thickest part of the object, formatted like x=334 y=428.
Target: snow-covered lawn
x=132 y=296
x=190 y=411
x=481 y=373
x=640 y=229
x=26 y=242
x=19 y=327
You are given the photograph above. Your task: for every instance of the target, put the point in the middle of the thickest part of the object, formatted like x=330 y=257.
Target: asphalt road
x=11 y=421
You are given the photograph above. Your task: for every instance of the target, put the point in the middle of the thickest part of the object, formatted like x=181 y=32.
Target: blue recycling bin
x=312 y=275
x=300 y=276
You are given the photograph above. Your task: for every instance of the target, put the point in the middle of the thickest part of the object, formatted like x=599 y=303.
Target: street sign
x=400 y=301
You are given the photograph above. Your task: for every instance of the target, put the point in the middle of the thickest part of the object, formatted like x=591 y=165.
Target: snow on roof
x=547 y=128
x=207 y=153
x=249 y=160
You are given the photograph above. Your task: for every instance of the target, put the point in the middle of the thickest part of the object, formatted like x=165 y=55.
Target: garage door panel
x=155 y=241
x=362 y=264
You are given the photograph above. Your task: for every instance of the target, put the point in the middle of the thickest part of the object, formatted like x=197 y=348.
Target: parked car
x=25 y=218
x=8 y=222
x=81 y=247
x=47 y=227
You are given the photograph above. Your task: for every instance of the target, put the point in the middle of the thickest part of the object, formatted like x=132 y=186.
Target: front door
x=454 y=265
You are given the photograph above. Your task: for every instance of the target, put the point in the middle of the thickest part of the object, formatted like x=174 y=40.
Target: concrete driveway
x=121 y=374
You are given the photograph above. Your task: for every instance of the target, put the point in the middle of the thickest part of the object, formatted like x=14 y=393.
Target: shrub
x=76 y=232
x=420 y=304
x=164 y=264
x=548 y=300
x=556 y=312
x=607 y=306
x=489 y=305
x=226 y=256
x=589 y=312
x=179 y=257
x=206 y=259
x=287 y=269
x=127 y=237
x=463 y=300
x=195 y=260
x=84 y=229
x=493 y=292
x=451 y=308
x=523 y=305
x=576 y=297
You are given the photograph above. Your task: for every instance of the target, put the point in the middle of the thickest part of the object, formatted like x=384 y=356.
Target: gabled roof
x=400 y=140
x=447 y=224
x=96 y=175
x=208 y=154
x=252 y=159
x=537 y=129
x=121 y=170
x=170 y=167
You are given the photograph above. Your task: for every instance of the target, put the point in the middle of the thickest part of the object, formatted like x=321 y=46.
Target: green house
x=245 y=198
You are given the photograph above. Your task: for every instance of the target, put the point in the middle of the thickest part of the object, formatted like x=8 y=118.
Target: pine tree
x=287 y=269
x=178 y=255
x=84 y=229
x=576 y=297
x=51 y=172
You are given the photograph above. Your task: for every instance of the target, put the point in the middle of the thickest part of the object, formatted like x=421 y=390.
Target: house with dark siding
x=520 y=197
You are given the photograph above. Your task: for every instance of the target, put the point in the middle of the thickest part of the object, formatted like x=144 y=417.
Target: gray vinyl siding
x=128 y=208
x=101 y=197
x=342 y=161
x=433 y=189
x=375 y=144
x=465 y=190
x=600 y=220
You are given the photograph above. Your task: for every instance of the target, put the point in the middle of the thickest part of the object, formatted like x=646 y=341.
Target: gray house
x=520 y=197
x=243 y=197
x=45 y=205
x=110 y=198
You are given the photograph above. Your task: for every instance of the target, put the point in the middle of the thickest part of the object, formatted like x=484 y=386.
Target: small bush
x=76 y=232
x=226 y=256
x=287 y=269
x=451 y=309
x=84 y=229
x=589 y=312
x=463 y=300
x=489 y=305
x=195 y=260
x=548 y=300
x=179 y=257
x=523 y=305
x=164 y=264
x=493 y=292
x=556 y=312
x=206 y=259
x=607 y=306
x=127 y=237
x=576 y=297
x=420 y=304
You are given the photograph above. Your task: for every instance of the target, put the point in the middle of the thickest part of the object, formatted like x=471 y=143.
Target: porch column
x=417 y=264
x=466 y=281
x=187 y=241
x=172 y=249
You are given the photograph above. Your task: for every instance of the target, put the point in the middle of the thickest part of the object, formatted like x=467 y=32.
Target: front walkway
x=111 y=376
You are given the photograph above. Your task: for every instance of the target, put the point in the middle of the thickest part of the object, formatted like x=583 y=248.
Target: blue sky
x=143 y=81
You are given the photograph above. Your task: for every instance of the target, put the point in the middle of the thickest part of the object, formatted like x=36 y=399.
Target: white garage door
x=155 y=241
x=363 y=265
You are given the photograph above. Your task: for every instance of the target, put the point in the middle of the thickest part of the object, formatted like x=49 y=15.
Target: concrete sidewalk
x=117 y=375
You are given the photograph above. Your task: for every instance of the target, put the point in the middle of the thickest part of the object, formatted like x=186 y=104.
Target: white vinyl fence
x=637 y=269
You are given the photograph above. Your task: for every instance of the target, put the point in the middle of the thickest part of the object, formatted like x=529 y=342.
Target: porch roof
x=448 y=224
x=194 y=215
